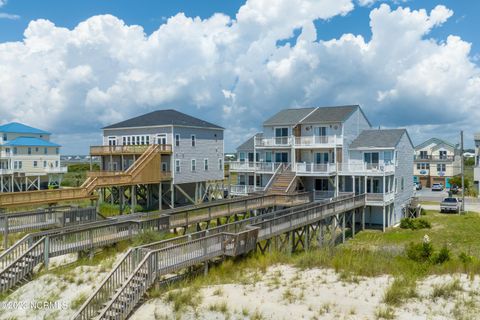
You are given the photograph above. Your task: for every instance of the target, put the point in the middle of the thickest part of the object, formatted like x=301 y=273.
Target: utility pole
x=463 y=172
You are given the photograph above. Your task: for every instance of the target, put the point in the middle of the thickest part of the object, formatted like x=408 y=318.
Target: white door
x=161 y=139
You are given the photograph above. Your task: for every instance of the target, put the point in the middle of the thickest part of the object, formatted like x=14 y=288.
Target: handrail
x=4 y=257
x=269 y=183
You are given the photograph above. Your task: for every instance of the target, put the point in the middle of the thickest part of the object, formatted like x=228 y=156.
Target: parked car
x=450 y=205
x=437 y=187
x=417 y=185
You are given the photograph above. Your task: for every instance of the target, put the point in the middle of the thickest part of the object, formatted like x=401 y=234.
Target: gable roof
x=380 y=138
x=163 y=118
x=330 y=114
x=288 y=116
x=16 y=127
x=313 y=115
x=435 y=141
x=30 y=142
x=250 y=143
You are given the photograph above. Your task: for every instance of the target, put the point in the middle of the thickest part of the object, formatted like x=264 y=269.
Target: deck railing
x=126 y=149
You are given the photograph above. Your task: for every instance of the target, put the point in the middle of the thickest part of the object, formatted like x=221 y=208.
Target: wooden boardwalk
x=126 y=284
x=17 y=262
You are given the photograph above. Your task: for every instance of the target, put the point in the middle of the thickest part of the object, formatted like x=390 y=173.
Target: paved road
x=427 y=195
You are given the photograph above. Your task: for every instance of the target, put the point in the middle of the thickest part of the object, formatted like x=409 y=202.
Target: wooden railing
x=169 y=256
x=126 y=149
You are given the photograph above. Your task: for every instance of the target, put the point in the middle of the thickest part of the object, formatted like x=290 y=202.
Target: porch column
x=133 y=197
x=172 y=195
x=336 y=185
x=160 y=196
x=353 y=185
x=383 y=218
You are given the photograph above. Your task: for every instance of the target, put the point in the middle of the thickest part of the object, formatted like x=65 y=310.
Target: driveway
x=427 y=195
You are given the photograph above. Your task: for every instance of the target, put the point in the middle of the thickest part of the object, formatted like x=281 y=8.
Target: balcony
x=366 y=168
x=437 y=158
x=277 y=142
x=260 y=167
x=56 y=170
x=315 y=168
x=6 y=171
x=126 y=149
x=379 y=198
x=318 y=141
x=243 y=190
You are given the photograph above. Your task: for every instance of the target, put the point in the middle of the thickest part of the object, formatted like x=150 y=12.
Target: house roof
x=250 y=143
x=15 y=127
x=30 y=142
x=436 y=141
x=330 y=114
x=380 y=138
x=312 y=115
x=162 y=118
x=288 y=116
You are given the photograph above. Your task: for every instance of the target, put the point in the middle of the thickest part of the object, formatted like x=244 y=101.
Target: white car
x=437 y=187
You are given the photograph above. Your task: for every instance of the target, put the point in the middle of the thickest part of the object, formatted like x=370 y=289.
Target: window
x=388 y=157
x=241 y=180
x=268 y=156
x=402 y=183
x=45 y=150
x=194 y=165
x=143 y=139
x=423 y=155
x=441 y=167
x=193 y=140
x=138 y=140
x=5 y=137
x=443 y=154
x=56 y=164
x=128 y=140
x=57 y=150
x=44 y=164
x=112 y=141
x=7 y=150
x=14 y=150
x=281 y=136
x=177 y=140
x=371 y=157
x=124 y=140
x=220 y=164
x=177 y=166
x=164 y=166
x=19 y=164
x=205 y=164
x=242 y=156
x=15 y=164
x=418 y=166
x=35 y=163
x=29 y=150
x=147 y=139
x=36 y=149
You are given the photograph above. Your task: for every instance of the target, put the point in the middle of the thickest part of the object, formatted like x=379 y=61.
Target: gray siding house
x=329 y=151
x=196 y=159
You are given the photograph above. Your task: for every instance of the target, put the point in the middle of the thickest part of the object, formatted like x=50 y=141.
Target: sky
x=73 y=67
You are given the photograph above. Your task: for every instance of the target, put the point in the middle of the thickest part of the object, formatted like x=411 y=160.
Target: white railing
x=264 y=167
x=56 y=169
x=273 y=142
x=365 y=167
x=312 y=141
x=380 y=197
x=315 y=168
x=240 y=190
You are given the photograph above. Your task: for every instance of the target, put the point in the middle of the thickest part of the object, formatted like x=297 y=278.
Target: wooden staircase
x=283 y=182
x=145 y=170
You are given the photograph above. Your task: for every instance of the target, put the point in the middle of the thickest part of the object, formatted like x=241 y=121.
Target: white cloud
x=9 y=16
x=230 y=71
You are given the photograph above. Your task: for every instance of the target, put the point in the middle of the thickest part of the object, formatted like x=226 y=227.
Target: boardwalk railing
x=174 y=254
x=101 y=233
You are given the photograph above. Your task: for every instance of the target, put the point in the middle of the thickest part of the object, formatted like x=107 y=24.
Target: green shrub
x=414 y=224
x=442 y=256
x=420 y=252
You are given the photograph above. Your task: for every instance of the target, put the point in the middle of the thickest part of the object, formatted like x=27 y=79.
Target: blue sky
x=150 y=14
x=81 y=81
